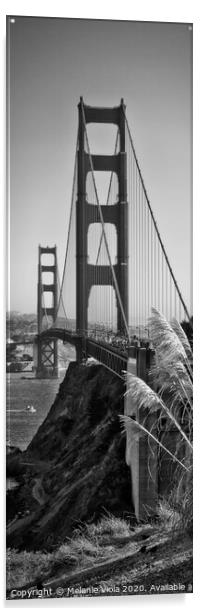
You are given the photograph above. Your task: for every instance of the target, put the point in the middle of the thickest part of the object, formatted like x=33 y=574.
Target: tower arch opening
x=97 y=252
x=107 y=187
x=102 y=311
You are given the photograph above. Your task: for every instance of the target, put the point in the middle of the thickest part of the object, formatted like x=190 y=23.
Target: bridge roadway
x=107 y=354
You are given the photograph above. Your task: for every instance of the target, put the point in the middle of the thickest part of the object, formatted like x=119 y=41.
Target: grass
x=86 y=548
x=110 y=526
x=169 y=398
x=22 y=567
x=172 y=375
x=83 y=549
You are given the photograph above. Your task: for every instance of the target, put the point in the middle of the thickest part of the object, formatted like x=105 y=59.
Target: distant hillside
x=18 y=324
x=17 y=317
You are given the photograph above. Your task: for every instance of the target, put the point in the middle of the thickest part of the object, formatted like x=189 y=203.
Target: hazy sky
x=52 y=63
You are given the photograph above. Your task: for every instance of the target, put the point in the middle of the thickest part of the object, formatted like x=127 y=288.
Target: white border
x=146 y=10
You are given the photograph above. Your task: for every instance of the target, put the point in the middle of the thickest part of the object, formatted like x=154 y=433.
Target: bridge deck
x=110 y=356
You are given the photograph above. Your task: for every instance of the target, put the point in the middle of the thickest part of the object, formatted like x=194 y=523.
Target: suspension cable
x=61 y=298
x=153 y=219
x=69 y=227
x=104 y=233
x=108 y=195
x=44 y=306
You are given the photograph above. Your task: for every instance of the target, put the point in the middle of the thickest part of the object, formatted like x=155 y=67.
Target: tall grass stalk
x=169 y=395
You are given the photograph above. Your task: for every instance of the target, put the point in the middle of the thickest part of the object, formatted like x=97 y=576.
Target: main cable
x=104 y=233
x=69 y=228
x=153 y=219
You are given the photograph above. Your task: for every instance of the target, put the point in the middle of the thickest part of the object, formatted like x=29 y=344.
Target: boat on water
x=30 y=408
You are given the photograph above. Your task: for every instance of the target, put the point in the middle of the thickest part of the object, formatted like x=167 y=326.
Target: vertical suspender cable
x=162 y=290
x=142 y=240
x=104 y=234
x=159 y=279
x=149 y=261
x=69 y=227
x=154 y=221
x=152 y=262
x=137 y=252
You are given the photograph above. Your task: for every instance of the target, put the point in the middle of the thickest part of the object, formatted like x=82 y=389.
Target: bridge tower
x=47 y=351
x=87 y=274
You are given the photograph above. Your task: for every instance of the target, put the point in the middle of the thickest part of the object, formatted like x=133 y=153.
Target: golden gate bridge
x=116 y=267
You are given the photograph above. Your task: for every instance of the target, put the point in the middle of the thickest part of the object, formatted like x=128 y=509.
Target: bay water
x=25 y=390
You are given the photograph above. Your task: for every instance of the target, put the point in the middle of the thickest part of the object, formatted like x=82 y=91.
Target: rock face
x=76 y=459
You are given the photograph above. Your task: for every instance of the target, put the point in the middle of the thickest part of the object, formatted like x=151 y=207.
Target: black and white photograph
x=99 y=316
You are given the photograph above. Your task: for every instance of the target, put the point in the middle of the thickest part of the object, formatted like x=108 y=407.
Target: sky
x=50 y=64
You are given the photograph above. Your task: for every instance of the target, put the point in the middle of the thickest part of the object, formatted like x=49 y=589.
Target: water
x=22 y=425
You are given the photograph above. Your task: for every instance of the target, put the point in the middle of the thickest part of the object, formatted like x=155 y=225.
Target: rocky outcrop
x=76 y=460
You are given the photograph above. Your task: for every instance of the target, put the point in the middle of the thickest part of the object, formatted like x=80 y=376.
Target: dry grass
x=169 y=397
x=110 y=526
x=22 y=567
x=83 y=549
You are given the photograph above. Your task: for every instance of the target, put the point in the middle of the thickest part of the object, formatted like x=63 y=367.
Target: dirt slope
x=74 y=469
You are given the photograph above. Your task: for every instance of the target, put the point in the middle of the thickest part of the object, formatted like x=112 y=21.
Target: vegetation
x=168 y=398
x=83 y=548
x=111 y=552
